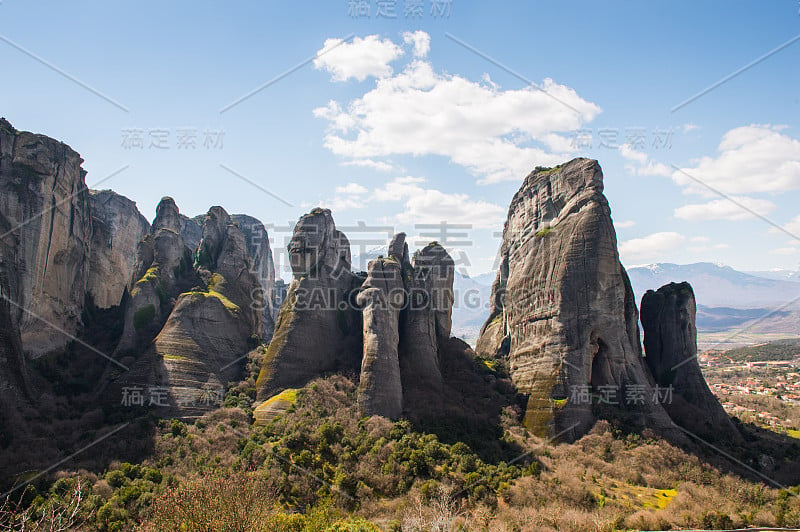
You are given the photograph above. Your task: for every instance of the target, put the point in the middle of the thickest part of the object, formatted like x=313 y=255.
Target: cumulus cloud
x=495 y=134
x=725 y=209
x=754 y=158
x=352 y=188
x=792 y=227
x=381 y=166
x=349 y=196
x=650 y=247
x=359 y=59
x=427 y=205
x=624 y=224
x=644 y=166
x=420 y=40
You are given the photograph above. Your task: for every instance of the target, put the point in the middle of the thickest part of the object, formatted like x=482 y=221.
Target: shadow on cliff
x=470 y=407
x=765 y=456
x=65 y=417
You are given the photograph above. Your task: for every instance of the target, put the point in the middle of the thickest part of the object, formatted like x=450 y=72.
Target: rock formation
x=14 y=385
x=117 y=227
x=391 y=324
x=210 y=330
x=670 y=344
x=382 y=296
x=428 y=317
x=45 y=237
x=563 y=311
x=192 y=230
x=262 y=266
x=317 y=329
x=161 y=259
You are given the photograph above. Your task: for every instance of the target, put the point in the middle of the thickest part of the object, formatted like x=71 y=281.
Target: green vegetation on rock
x=143 y=316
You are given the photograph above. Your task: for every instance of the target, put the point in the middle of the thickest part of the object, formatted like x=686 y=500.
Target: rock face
x=192 y=231
x=14 y=386
x=118 y=226
x=209 y=331
x=563 y=311
x=161 y=259
x=261 y=266
x=317 y=330
x=392 y=324
x=45 y=237
x=428 y=316
x=382 y=297
x=670 y=343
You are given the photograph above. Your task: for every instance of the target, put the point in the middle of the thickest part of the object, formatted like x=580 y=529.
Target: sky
x=424 y=116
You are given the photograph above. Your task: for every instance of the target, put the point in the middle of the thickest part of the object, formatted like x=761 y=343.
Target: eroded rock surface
x=670 y=344
x=45 y=237
x=382 y=297
x=317 y=329
x=428 y=316
x=262 y=266
x=118 y=227
x=563 y=307
x=161 y=259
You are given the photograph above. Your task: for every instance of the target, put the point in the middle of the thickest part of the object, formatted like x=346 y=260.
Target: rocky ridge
x=196 y=294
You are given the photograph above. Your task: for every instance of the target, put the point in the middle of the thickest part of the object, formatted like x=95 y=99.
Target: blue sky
x=404 y=124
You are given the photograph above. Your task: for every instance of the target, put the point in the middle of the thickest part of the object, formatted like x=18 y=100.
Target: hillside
x=777 y=350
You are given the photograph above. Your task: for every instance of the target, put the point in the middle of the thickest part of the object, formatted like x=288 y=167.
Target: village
x=763 y=392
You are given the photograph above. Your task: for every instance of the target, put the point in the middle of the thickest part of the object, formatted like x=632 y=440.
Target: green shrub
x=143 y=316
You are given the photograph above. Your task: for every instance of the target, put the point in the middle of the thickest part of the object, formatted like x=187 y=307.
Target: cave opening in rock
x=598 y=374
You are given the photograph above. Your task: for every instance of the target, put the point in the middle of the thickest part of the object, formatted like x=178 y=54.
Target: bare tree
x=58 y=515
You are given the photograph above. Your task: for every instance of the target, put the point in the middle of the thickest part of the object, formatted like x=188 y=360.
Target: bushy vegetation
x=776 y=350
x=322 y=466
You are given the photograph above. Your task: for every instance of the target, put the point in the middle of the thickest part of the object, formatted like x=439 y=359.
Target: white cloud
x=644 y=165
x=420 y=40
x=381 y=166
x=497 y=135
x=793 y=227
x=754 y=158
x=351 y=188
x=349 y=196
x=686 y=128
x=707 y=248
x=625 y=224
x=425 y=205
x=358 y=59
x=654 y=246
x=724 y=209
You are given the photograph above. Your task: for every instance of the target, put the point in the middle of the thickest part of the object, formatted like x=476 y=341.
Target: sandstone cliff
x=382 y=297
x=563 y=311
x=390 y=326
x=117 y=227
x=670 y=344
x=45 y=237
x=161 y=261
x=317 y=330
x=262 y=266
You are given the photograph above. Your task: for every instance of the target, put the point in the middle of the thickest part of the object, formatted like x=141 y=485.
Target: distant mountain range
x=719 y=286
x=761 y=302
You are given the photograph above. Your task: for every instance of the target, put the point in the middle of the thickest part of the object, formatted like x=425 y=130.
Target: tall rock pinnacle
x=563 y=311
x=670 y=344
